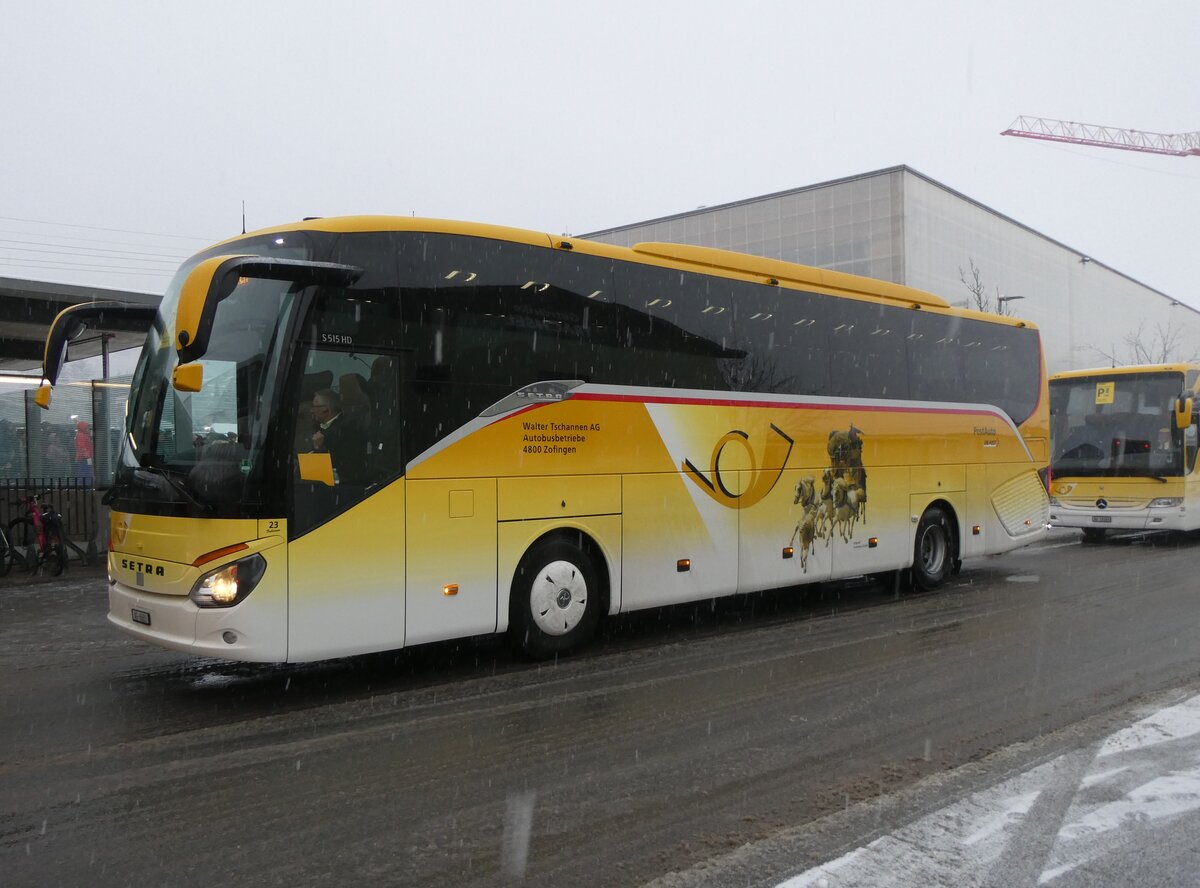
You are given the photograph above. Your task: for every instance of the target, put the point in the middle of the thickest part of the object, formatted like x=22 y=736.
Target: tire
x=1094 y=535
x=555 y=599
x=22 y=538
x=933 y=550
x=56 y=553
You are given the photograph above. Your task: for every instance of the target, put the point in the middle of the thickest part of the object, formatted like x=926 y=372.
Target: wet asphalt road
x=677 y=736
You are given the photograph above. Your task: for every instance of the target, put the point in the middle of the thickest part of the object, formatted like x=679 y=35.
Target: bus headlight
x=1166 y=502
x=226 y=586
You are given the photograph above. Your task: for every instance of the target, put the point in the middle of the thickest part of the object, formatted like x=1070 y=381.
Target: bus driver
x=339 y=435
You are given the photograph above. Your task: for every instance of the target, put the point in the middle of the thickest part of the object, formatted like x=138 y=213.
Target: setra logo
x=775 y=453
x=120 y=528
x=143 y=567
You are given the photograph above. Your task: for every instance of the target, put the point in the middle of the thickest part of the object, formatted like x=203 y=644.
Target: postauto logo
x=773 y=452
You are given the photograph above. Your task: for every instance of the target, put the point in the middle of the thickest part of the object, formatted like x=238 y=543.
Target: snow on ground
x=1055 y=818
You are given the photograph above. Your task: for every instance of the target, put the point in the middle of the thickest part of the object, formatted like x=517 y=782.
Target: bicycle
x=40 y=527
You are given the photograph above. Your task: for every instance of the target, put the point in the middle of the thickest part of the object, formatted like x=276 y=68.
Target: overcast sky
x=131 y=133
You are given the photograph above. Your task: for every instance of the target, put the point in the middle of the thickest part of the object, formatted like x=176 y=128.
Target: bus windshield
x=203 y=452
x=1119 y=425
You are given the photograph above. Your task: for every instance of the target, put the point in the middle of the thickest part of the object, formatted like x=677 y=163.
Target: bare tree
x=978 y=290
x=1162 y=345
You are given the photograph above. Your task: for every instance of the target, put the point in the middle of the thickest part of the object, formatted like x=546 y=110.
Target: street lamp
x=1002 y=300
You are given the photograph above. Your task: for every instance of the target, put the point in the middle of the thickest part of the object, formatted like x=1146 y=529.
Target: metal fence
x=76 y=438
x=67 y=452
x=70 y=497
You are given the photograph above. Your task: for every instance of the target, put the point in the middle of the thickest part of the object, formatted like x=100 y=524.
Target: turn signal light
x=788 y=552
x=219 y=553
x=683 y=565
x=450 y=589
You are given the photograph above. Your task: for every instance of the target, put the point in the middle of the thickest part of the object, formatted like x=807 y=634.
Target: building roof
x=27 y=308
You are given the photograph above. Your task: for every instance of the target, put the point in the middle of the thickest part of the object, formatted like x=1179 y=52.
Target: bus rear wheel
x=555 y=602
x=933 y=555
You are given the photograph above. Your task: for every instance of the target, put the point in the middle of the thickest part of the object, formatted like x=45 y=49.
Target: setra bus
x=1124 y=449
x=544 y=431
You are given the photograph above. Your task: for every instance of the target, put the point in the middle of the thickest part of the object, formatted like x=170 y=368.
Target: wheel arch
x=956 y=529
x=577 y=535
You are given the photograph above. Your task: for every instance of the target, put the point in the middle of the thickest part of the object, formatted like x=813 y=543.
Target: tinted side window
x=963 y=359
x=483 y=318
x=676 y=329
x=935 y=357
x=868 y=358
x=785 y=335
x=1002 y=367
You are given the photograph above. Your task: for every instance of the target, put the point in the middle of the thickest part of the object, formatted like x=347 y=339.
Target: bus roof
x=709 y=260
x=1128 y=370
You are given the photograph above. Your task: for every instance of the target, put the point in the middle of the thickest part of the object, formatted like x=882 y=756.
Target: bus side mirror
x=75 y=320
x=204 y=287
x=1183 y=413
x=188 y=377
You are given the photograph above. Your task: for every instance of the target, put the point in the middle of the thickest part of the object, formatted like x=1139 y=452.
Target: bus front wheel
x=933 y=555
x=1094 y=534
x=555 y=598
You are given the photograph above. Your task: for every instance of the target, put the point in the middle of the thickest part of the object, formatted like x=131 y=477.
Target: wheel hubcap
x=559 y=598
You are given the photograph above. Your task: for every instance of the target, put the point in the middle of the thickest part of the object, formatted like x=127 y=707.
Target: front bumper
x=1172 y=518
x=246 y=631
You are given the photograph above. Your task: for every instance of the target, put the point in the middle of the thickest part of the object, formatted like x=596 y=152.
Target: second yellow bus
x=1124 y=449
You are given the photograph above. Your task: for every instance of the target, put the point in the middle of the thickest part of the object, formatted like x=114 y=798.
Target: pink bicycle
x=35 y=538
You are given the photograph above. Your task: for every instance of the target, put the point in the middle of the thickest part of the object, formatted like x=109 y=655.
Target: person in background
x=84 y=452
x=56 y=459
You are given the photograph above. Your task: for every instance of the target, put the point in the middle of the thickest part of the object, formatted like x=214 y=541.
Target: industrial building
x=900 y=225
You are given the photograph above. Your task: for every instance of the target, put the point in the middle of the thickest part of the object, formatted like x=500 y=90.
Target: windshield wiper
x=176 y=485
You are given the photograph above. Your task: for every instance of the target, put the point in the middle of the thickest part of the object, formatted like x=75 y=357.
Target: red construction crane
x=1177 y=144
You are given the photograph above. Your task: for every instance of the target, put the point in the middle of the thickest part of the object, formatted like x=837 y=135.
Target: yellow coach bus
x=1124 y=449
x=357 y=434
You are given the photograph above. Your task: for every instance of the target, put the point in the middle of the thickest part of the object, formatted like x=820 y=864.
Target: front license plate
x=1102 y=519
x=141 y=616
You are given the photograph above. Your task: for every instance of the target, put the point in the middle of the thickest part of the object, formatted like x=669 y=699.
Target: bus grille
x=1114 y=504
x=1022 y=504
